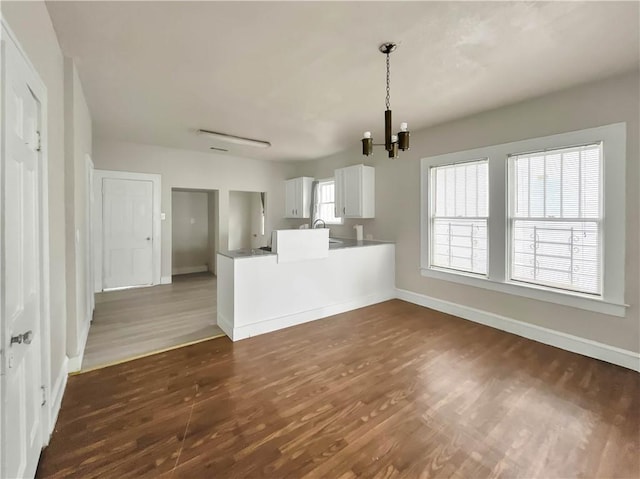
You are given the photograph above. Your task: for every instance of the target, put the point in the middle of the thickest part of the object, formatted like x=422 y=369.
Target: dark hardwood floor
x=391 y=390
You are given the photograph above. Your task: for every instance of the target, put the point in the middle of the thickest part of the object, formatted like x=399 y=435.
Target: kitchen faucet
x=315 y=223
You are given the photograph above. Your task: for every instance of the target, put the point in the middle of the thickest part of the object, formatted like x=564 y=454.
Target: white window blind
x=555 y=218
x=460 y=194
x=325 y=202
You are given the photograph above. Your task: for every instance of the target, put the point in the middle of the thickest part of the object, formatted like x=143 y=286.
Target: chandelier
x=391 y=142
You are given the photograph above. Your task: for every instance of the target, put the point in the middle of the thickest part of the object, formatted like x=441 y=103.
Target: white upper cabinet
x=355 y=191
x=297 y=203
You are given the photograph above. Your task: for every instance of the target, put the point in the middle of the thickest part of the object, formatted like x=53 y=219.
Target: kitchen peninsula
x=257 y=293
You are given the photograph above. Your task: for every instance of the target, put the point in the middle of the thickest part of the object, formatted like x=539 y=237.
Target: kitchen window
x=542 y=218
x=326 y=202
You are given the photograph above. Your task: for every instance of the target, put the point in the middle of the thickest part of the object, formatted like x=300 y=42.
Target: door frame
x=213 y=215
x=98 y=176
x=39 y=90
x=89 y=235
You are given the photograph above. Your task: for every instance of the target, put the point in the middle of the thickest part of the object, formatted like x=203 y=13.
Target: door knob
x=25 y=338
x=148 y=238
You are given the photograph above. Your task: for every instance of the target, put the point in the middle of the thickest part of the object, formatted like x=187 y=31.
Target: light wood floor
x=391 y=390
x=134 y=322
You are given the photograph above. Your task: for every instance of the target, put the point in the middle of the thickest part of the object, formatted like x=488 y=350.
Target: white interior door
x=20 y=287
x=127 y=232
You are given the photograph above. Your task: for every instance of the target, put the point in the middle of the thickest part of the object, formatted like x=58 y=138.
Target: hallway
x=135 y=322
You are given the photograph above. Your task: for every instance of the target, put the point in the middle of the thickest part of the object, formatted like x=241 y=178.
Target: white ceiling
x=308 y=77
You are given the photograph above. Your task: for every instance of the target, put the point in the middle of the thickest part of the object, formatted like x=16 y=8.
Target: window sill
x=540 y=293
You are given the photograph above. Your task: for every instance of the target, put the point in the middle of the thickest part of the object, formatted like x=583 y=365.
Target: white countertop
x=334 y=243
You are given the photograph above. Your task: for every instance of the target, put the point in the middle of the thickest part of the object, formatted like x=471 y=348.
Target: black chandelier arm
x=401 y=143
x=382 y=144
x=377 y=144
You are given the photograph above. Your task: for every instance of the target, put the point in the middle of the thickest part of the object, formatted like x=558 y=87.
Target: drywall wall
x=203 y=171
x=78 y=144
x=245 y=220
x=258 y=237
x=240 y=227
x=190 y=232
x=32 y=26
x=398 y=199
x=212 y=209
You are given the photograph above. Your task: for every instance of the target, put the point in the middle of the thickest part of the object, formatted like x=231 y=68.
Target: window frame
x=512 y=218
x=433 y=217
x=611 y=301
x=316 y=206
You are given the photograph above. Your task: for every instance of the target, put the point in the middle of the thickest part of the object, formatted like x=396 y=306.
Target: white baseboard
x=225 y=325
x=191 y=269
x=75 y=362
x=262 y=327
x=569 y=342
x=57 y=392
x=165 y=280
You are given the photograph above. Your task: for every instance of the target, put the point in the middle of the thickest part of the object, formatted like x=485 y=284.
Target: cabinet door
x=291 y=192
x=353 y=191
x=303 y=198
x=340 y=193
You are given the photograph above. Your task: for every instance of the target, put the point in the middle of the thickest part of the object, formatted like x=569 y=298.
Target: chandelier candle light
x=391 y=142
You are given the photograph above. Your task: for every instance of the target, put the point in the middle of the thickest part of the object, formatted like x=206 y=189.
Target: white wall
x=245 y=220
x=190 y=231
x=78 y=145
x=31 y=24
x=257 y=238
x=203 y=171
x=398 y=199
x=240 y=227
x=212 y=209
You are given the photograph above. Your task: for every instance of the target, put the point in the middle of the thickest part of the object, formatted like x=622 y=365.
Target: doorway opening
x=194 y=231
x=136 y=322
x=247 y=220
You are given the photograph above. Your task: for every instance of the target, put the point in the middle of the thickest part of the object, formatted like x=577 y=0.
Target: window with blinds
x=460 y=197
x=325 y=202
x=556 y=217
